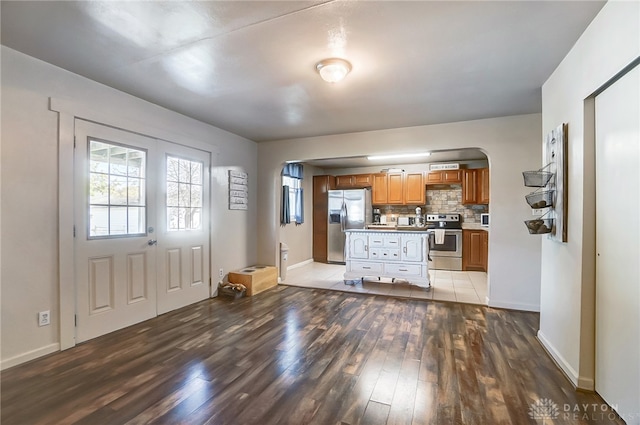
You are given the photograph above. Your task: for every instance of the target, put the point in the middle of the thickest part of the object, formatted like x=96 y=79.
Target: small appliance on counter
x=376 y=215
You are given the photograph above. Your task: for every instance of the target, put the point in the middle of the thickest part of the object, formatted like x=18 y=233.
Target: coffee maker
x=376 y=215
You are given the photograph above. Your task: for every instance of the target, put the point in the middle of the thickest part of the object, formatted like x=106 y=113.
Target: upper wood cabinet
x=475 y=186
x=414 y=189
x=483 y=186
x=475 y=249
x=351 y=181
x=398 y=189
x=444 y=177
x=469 y=184
x=395 y=188
x=379 y=189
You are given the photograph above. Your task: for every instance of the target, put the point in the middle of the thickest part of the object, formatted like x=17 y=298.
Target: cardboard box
x=255 y=278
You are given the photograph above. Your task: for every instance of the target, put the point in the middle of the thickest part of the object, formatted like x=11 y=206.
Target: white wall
x=29 y=199
x=512 y=144
x=611 y=42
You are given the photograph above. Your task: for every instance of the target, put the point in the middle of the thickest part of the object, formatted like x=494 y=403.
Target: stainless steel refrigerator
x=348 y=209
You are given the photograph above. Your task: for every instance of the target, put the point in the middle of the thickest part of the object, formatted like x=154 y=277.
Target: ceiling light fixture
x=396 y=156
x=333 y=70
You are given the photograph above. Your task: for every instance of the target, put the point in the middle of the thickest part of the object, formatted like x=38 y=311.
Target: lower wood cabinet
x=475 y=250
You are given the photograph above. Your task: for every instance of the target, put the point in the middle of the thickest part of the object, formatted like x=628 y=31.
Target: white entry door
x=618 y=246
x=141 y=227
x=183 y=236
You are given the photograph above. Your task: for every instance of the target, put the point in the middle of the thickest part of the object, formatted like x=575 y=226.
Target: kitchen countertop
x=396 y=229
x=474 y=226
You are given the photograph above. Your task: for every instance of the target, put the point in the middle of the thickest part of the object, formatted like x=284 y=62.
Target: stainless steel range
x=445 y=241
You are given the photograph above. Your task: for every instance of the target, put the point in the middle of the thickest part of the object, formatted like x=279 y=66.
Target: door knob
x=151 y=242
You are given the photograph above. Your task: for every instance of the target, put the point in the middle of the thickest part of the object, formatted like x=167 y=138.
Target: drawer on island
x=403 y=269
x=366 y=268
x=384 y=254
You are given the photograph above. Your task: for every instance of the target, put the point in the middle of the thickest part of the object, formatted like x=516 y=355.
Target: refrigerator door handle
x=343 y=216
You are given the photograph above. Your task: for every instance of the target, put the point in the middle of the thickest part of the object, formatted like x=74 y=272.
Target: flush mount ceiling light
x=401 y=155
x=333 y=70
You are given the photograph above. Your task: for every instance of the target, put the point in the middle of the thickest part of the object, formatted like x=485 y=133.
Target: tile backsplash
x=448 y=199
x=440 y=199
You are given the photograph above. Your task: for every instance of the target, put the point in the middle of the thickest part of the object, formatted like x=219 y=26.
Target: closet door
x=617 y=245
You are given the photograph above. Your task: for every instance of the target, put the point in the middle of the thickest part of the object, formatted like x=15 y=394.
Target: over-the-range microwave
x=484 y=220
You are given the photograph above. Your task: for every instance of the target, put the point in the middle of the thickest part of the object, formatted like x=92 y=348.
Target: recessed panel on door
x=196 y=265
x=101 y=290
x=136 y=277
x=174 y=269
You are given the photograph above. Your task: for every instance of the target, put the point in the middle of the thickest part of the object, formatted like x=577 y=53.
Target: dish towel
x=439 y=236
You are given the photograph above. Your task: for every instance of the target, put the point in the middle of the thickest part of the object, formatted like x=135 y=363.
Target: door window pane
x=184 y=194
x=117 y=180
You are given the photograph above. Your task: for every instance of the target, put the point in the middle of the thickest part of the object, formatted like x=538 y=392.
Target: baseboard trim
x=29 y=355
x=301 y=264
x=513 y=306
x=559 y=360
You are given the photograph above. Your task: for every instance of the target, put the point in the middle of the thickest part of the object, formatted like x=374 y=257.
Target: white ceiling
x=249 y=67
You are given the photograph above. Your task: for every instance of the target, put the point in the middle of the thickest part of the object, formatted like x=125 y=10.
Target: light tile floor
x=464 y=287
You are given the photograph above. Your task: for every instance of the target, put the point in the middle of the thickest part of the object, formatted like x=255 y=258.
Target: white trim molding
x=576 y=380
x=29 y=355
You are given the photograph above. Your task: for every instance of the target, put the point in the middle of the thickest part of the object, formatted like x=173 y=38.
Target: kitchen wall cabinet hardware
x=398 y=189
x=475 y=250
x=444 y=177
x=354 y=181
x=321 y=187
x=396 y=255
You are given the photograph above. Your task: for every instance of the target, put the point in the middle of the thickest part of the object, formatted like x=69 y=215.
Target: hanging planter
x=537 y=178
x=541 y=225
x=541 y=199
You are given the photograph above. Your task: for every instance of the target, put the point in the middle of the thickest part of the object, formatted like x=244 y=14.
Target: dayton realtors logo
x=546 y=409
x=543 y=409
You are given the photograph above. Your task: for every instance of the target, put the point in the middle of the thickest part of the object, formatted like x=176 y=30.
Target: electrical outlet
x=44 y=318
x=537 y=212
x=221 y=273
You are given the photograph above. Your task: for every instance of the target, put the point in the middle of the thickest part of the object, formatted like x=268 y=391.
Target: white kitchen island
x=395 y=254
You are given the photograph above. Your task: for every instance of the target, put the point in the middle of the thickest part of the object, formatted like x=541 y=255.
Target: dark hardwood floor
x=305 y=356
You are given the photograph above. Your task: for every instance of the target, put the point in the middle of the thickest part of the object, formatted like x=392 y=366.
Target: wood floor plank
x=301 y=356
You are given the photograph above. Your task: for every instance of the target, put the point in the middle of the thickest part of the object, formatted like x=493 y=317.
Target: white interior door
x=115 y=267
x=618 y=246
x=183 y=227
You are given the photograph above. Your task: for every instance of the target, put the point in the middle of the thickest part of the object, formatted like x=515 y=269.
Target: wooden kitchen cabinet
x=475 y=186
x=321 y=187
x=475 y=250
x=414 y=189
x=379 y=189
x=395 y=188
x=444 y=177
x=469 y=187
x=483 y=186
x=398 y=189
x=353 y=181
